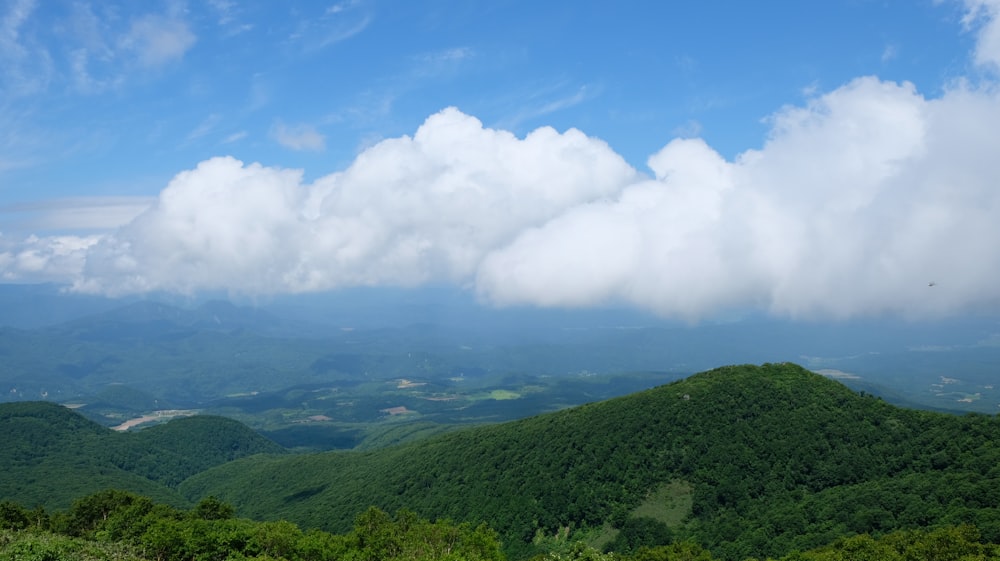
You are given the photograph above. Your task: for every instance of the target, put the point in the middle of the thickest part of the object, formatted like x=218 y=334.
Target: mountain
x=191 y=353
x=30 y=306
x=171 y=354
x=149 y=320
x=51 y=454
x=761 y=460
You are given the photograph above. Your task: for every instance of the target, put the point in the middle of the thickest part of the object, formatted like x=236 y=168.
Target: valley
x=557 y=433
x=363 y=379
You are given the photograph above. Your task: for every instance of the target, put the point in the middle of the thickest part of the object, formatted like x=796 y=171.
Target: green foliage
x=953 y=543
x=45 y=546
x=677 y=551
x=771 y=459
x=640 y=532
x=13 y=516
x=92 y=513
x=52 y=454
x=579 y=552
x=380 y=537
x=778 y=459
x=118 y=525
x=211 y=508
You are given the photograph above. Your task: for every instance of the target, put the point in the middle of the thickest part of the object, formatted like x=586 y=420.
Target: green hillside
x=128 y=527
x=775 y=458
x=51 y=455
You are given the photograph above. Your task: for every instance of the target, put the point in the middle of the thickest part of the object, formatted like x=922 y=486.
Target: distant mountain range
x=130 y=357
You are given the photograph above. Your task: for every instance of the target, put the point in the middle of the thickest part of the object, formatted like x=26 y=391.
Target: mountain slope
x=754 y=442
x=51 y=454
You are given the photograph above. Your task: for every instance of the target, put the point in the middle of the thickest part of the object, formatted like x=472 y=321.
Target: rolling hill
x=771 y=458
x=52 y=455
x=745 y=460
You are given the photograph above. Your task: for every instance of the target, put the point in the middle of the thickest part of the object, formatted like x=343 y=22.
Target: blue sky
x=267 y=147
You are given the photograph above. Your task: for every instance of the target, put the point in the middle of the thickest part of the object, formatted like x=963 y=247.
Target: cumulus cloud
x=35 y=259
x=408 y=210
x=857 y=201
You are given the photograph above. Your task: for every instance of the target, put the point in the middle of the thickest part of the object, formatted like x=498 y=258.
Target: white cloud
x=854 y=204
x=336 y=24
x=156 y=40
x=408 y=210
x=75 y=214
x=432 y=64
x=541 y=103
x=985 y=15
x=206 y=126
x=298 y=137
x=235 y=137
x=889 y=53
x=856 y=201
x=34 y=259
x=25 y=65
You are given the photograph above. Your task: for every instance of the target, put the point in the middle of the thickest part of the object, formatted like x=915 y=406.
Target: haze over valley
x=552 y=281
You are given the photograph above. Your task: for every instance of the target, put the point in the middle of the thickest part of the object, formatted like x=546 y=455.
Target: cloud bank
x=855 y=203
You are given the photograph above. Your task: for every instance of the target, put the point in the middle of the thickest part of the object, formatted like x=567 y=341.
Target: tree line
x=124 y=526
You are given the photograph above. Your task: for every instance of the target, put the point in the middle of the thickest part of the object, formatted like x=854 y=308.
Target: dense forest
x=738 y=462
x=128 y=527
x=51 y=455
x=775 y=458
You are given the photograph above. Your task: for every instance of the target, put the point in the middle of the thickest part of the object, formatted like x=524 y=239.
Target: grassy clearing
x=499 y=395
x=669 y=503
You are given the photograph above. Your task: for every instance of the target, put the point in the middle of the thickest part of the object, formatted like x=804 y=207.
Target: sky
x=801 y=159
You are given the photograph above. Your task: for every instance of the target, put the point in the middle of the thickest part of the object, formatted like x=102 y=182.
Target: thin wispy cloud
x=205 y=127
x=889 y=53
x=430 y=64
x=298 y=137
x=235 y=137
x=336 y=24
x=544 y=103
x=74 y=214
x=156 y=40
x=25 y=64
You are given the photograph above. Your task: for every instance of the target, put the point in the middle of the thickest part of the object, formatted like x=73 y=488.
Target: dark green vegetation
x=777 y=458
x=51 y=455
x=128 y=527
x=118 y=525
x=744 y=461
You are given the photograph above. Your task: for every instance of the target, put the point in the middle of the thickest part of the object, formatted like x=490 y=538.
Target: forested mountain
x=774 y=458
x=746 y=461
x=51 y=455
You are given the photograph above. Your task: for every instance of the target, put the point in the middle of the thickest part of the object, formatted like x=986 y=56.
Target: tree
x=640 y=532
x=13 y=516
x=89 y=514
x=211 y=508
